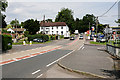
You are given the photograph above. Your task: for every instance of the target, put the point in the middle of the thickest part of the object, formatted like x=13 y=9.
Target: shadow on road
x=115 y=72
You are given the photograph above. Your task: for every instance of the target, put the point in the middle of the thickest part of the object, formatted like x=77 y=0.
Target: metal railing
x=114 y=50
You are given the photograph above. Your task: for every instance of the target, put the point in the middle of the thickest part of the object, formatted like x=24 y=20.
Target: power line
x=109 y=8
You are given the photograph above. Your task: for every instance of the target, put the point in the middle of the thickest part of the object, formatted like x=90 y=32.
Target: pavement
x=90 y=61
x=57 y=72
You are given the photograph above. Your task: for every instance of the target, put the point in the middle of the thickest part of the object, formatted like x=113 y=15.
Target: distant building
x=18 y=30
x=57 y=28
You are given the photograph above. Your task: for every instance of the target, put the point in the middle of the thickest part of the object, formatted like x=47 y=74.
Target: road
x=33 y=67
x=18 y=48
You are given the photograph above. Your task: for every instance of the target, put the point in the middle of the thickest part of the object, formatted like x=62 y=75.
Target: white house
x=10 y=30
x=58 y=28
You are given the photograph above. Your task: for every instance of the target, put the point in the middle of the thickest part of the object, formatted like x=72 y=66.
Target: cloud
x=61 y=0
x=27 y=10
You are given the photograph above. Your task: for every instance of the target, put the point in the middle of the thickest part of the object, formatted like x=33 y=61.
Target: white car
x=81 y=37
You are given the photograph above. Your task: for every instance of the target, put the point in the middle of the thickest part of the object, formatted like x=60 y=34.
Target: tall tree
x=118 y=21
x=14 y=22
x=32 y=26
x=3 y=6
x=88 y=18
x=49 y=20
x=65 y=15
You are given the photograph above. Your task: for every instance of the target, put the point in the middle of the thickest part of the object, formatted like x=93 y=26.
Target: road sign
x=108 y=30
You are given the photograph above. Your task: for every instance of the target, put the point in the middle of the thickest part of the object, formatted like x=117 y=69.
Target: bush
x=6 y=42
x=61 y=36
x=52 y=37
x=26 y=33
x=42 y=36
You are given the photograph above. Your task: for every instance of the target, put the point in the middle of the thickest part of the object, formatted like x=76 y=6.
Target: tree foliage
x=82 y=25
x=32 y=26
x=14 y=22
x=49 y=20
x=118 y=21
x=3 y=6
x=65 y=15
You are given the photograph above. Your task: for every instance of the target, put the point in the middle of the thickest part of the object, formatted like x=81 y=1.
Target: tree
x=9 y=26
x=14 y=22
x=82 y=25
x=49 y=20
x=32 y=26
x=65 y=15
x=3 y=6
x=118 y=21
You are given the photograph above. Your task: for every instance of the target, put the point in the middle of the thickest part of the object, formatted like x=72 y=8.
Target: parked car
x=102 y=40
x=72 y=38
x=38 y=40
x=81 y=37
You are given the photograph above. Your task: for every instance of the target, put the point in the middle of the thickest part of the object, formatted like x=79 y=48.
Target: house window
x=46 y=32
x=61 y=27
x=57 y=32
x=61 y=32
x=47 y=28
x=52 y=32
x=57 y=27
x=41 y=27
x=52 y=27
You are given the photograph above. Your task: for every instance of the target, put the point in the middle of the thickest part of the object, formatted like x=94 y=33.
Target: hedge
x=42 y=36
x=6 y=42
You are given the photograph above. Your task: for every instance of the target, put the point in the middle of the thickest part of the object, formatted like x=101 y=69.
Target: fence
x=115 y=51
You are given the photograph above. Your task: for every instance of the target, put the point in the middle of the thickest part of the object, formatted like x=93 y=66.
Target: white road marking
x=15 y=59
x=39 y=76
x=81 y=47
x=59 y=58
x=36 y=71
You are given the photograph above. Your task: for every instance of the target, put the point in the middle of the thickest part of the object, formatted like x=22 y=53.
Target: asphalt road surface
x=35 y=66
x=28 y=68
x=18 y=48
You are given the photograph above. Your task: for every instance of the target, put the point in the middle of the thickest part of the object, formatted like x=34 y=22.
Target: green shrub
x=52 y=37
x=6 y=42
x=61 y=36
x=42 y=36
x=26 y=33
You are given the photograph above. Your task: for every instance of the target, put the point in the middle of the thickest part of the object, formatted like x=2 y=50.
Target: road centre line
x=39 y=76
x=59 y=58
x=81 y=47
x=36 y=71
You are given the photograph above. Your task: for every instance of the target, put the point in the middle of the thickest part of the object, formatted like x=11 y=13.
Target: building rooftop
x=48 y=24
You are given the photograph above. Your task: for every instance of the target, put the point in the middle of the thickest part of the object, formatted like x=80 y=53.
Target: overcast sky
x=27 y=9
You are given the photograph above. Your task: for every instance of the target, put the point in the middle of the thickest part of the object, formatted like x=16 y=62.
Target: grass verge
x=98 y=43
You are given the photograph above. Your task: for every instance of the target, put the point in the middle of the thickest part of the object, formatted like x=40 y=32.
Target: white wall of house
x=60 y=30
x=10 y=30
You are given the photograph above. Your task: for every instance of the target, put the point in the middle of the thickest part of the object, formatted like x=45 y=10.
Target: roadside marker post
x=30 y=42
x=24 y=43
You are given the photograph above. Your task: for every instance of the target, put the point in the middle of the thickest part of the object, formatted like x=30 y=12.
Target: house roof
x=15 y=29
x=45 y=24
x=18 y=29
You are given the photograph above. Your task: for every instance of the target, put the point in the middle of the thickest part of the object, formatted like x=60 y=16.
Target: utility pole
x=16 y=29
x=96 y=24
x=89 y=28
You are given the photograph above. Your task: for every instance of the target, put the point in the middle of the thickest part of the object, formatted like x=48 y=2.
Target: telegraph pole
x=16 y=29
x=96 y=24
